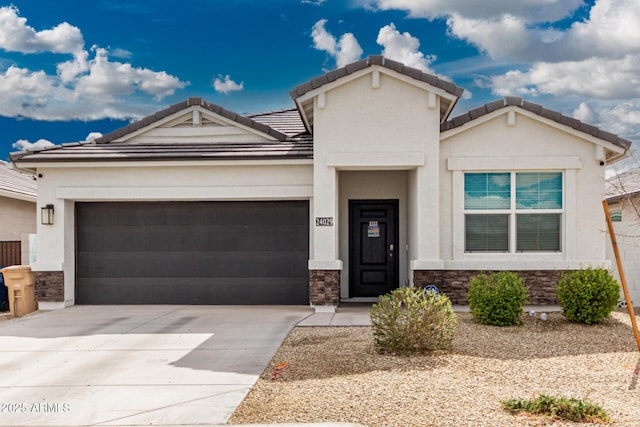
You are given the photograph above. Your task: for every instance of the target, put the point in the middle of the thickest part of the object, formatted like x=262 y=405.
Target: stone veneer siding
x=324 y=287
x=455 y=283
x=49 y=286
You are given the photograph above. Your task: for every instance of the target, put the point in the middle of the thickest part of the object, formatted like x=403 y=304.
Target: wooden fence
x=10 y=253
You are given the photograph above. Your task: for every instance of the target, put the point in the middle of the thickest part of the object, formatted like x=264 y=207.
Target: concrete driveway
x=136 y=365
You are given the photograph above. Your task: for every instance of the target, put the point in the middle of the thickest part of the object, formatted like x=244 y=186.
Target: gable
x=194 y=121
x=390 y=116
x=195 y=126
x=311 y=95
x=507 y=114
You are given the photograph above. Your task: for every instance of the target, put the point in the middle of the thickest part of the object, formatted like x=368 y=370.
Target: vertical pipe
x=623 y=280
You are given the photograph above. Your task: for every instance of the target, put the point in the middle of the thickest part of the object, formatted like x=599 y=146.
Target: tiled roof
x=399 y=67
x=287 y=121
x=623 y=185
x=122 y=151
x=14 y=182
x=536 y=109
x=184 y=105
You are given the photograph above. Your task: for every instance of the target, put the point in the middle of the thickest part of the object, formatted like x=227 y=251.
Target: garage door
x=192 y=253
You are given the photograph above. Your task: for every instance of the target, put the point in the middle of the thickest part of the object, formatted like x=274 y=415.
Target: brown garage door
x=192 y=253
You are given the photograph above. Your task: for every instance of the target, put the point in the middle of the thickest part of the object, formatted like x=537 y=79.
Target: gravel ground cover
x=334 y=374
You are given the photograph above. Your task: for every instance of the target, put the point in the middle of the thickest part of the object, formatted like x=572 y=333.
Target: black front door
x=373 y=243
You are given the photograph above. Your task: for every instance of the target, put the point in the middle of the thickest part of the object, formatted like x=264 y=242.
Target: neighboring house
x=366 y=186
x=17 y=215
x=623 y=197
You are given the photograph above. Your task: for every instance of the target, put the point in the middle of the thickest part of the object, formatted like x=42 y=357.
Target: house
x=623 y=197
x=366 y=186
x=17 y=215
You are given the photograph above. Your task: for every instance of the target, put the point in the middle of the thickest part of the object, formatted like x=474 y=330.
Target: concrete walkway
x=357 y=314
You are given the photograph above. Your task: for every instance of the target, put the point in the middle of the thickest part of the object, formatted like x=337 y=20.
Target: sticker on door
x=373 y=230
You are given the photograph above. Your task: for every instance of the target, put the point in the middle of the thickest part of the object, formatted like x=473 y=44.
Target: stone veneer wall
x=324 y=287
x=49 y=286
x=455 y=283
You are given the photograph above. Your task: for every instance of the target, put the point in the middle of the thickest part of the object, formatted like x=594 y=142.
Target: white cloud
x=593 y=77
x=17 y=36
x=226 y=85
x=506 y=35
x=622 y=119
x=117 y=78
x=83 y=88
x=345 y=50
x=67 y=71
x=314 y=2
x=121 y=53
x=521 y=33
x=92 y=136
x=530 y=10
x=611 y=31
x=584 y=113
x=24 y=145
x=403 y=47
x=34 y=94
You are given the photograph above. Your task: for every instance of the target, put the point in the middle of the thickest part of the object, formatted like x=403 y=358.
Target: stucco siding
x=17 y=217
x=392 y=118
x=628 y=238
x=529 y=145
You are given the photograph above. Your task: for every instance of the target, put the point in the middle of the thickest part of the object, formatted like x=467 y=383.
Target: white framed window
x=513 y=212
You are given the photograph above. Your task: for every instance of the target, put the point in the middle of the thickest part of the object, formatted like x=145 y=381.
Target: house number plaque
x=324 y=221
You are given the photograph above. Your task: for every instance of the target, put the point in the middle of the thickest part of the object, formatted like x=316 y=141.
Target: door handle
x=391 y=250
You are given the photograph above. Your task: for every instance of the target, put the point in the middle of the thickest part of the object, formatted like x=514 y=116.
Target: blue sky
x=70 y=70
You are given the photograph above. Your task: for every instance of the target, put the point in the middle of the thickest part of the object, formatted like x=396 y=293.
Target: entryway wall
x=371 y=185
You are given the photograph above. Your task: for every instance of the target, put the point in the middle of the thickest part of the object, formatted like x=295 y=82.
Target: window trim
x=568 y=165
x=513 y=211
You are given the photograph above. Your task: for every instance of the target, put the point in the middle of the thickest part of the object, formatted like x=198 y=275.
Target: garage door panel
x=193 y=238
x=153 y=290
x=192 y=253
x=192 y=264
x=172 y=213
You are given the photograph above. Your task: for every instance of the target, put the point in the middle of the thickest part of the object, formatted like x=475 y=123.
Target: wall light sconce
x=47 y=215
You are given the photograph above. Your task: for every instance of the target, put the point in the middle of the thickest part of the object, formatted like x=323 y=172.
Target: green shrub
x=411 y=320
x=588 y=295
x=558 y=407
x=497 y=299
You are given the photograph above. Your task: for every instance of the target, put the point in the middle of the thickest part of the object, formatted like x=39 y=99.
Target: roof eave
x=617 y=198
x=18 y=195
x=172 y=161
